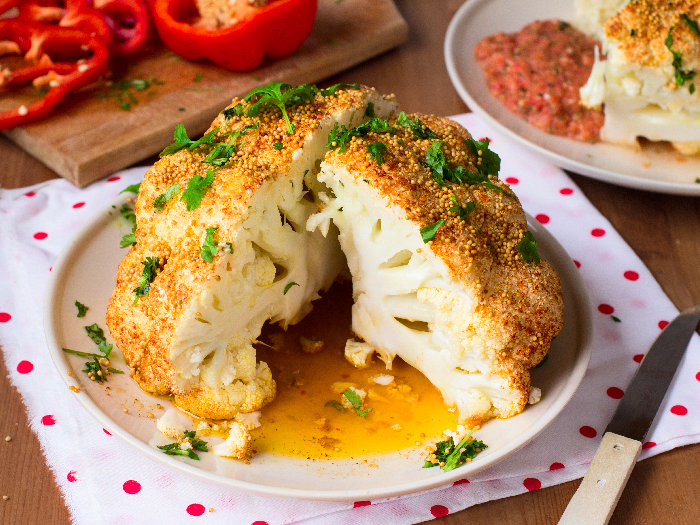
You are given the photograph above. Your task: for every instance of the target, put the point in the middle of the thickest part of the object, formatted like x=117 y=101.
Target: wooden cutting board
x=89 y=136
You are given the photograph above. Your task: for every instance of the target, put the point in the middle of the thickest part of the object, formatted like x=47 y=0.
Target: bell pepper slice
x=275 y=30
x=62 y=77
x=129 y=22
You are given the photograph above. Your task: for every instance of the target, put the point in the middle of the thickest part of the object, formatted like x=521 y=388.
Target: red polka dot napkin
x=105 y=481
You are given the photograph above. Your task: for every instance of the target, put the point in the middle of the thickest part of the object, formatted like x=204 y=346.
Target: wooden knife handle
x=596 y=497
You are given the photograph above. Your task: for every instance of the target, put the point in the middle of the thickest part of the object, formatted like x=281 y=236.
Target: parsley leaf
x=81 y=354
x=183 y=141
x=280 y=95
x=278 y=146
x=448 y=456
x=128 y=239
x=133 y=188
x=376 y=151
x=175 y=449
x=334 y=404
x=369 y=111
x=428 y=232
x=420 y=131
x=82 y=309
x=462 y=211
x=143 y=284
x=335 y=87
x=528 y=248
x=437 y=162
x=98 y=336
x=197 y=444
x=237 y=110
x=691 y=23
x=163 y=198
x=681 y=76
x=289 y=285
x=489 y=162
x=356 y=402
x=340 y=135
x=209 y=249
x=128 y=213
x=196 y=188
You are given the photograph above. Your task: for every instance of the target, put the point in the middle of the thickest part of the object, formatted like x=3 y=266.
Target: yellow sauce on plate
x=305 y=420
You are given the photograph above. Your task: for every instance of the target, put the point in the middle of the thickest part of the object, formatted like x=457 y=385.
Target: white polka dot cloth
x=105 y=481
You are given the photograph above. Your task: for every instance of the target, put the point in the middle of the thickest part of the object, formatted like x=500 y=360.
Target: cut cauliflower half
x=648 y=81
x=463 y=308
x=192 y=333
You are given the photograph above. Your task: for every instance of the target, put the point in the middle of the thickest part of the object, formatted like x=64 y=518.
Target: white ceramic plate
x=86 y=269
x=653 y=169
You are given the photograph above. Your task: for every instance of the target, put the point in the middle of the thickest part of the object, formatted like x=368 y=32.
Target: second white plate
x=652 y=169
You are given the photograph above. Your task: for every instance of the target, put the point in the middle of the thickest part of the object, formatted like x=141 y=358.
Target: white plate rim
x=509 y=123
x=568 y=273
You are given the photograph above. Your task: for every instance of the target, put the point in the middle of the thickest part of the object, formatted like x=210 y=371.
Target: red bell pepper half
x=275 y=30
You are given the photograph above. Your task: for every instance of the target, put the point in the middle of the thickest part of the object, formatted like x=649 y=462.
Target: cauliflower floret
x=358 y=353
x=250 y=420
x=237 y=443
x=170 y=424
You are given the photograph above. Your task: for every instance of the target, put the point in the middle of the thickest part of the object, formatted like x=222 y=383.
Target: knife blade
x=601 y=487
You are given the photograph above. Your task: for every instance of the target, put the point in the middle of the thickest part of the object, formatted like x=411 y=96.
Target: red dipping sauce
x=537 y=74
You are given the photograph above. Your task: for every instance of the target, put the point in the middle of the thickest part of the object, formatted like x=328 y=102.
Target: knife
x=601 y=488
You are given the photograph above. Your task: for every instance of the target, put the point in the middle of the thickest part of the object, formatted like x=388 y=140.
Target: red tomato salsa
x=537 y=74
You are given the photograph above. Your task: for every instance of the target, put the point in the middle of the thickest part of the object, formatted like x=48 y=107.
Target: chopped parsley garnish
x=198 y=77
x=428 y=232
x=120 y=91
x=420 y=131
x=237 y=110
x=335 y=87
x=278 y=146
x=280 y=95
x=183 y=141
x=230 y=246
x=616 y=319
x=82 y=309
x=209 y=249
x=98 y=337
x=697 y=179
x=369 y=110
x=128 y=213
x=163 y=198
x=128 y=239
x=143 y=284
x=448 y=456
x=462 y=211
x=196 y=188
x=681 y=75
x=489 y=162
x=443 y=173
x=175 y=449
x=94 y=368
x=356 y=402
x=527 y=247
x=334 y=404
x=691 y=23
x=289 y=285
x=376 y=152
x=133 y=188
x=563 y=25
x=340 y=135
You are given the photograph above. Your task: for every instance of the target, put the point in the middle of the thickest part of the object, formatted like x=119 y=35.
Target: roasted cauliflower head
x=445 y=274
x=221 y=247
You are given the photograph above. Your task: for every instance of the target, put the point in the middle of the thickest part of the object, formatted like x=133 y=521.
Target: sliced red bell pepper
x=274 y=30
x=129 y=21
x=61 y=77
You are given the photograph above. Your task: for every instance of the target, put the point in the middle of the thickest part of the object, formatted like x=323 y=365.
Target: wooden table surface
x=664 y=230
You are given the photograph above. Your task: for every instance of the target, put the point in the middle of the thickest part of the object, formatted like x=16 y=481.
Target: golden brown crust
x=642 y=27
x=144 y=332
